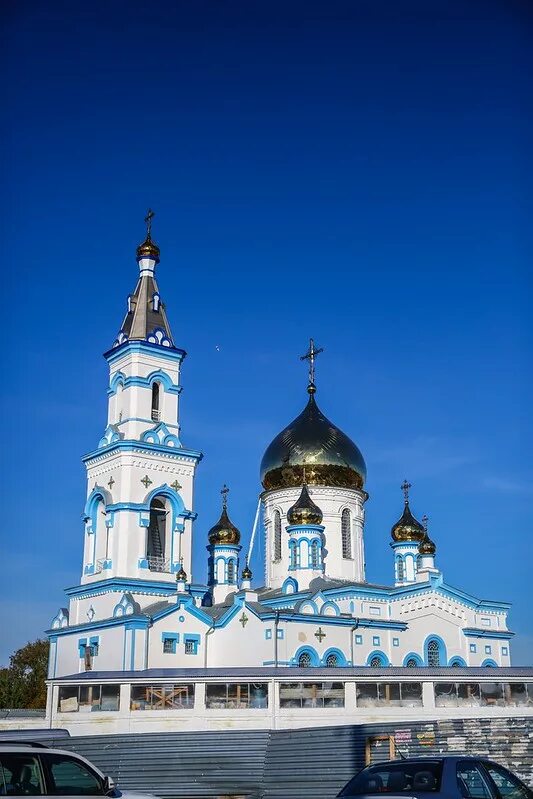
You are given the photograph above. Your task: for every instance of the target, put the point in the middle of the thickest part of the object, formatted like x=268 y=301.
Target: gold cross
x=175 y=485
x=320 y=634
x=146 y=481
x=310 y=356
x=244 y=619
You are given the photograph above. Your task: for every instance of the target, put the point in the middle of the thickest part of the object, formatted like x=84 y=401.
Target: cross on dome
x=148 y=219
x=405 y=486
x=310 y=356
x=224 y=491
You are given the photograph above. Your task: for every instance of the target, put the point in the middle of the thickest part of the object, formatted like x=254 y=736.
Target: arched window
x=277 y=535
x=400 y=571
x=332 y=661
x=294 y=555
x=411 y=663
x=231 y=572
x=314 y=555
x=376 y=662
x=156 y=414
x=304 y=661
x=155 y=544
x=346 y=532
x=433 y=653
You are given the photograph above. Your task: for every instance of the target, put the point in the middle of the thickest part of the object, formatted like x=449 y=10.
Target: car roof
x=427 y=758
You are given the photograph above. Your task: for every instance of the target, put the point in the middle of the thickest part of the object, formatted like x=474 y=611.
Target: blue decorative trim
x=474 y=632
x=328 y=605
x=457 y=661
x=489 y=663
x=160 y=434
x=313 y=654
x=143 y=382
x=170 y=353
x=155 y=587
x=413 y=656
x=131 y=445
x=111 y=434
x=378 y=653
x=141 y=622
x=308 y=603
x=290 y=581
x=333 y=650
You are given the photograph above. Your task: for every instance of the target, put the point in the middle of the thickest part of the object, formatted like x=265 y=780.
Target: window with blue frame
x=191 y=644
x=170 y=641
x=396 y=642
x=376 y=640
x=505 y=651
x=358 y=639
x=473 y=648
x=488 y=650
x=268 y=634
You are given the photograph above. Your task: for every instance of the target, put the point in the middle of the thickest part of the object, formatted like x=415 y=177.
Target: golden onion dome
x=407 y=528
x=426 y=546
x=224 y=531
x=246 y=573
x=312 y=443
x=304 y=510
x=181 y=576
x=148 y=249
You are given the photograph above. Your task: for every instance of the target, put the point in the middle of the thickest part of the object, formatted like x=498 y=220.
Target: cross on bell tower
x=310 y=356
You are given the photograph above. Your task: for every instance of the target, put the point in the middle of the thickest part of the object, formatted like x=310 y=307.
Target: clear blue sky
x=359 y=172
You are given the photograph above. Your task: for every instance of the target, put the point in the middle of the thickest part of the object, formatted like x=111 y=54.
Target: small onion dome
x=426 y=546
x=246 y=573
x=304 y=510
x=407 y=528
x=224 y=531
x=312 y=450
x=181 y=576
x=148 y=249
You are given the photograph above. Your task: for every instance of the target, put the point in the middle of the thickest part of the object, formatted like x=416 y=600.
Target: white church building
x=139 y=633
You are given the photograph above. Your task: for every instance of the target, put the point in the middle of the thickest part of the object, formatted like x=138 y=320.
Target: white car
x=32 y=769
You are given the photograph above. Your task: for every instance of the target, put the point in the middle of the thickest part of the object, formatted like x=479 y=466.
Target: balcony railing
x=156 y=563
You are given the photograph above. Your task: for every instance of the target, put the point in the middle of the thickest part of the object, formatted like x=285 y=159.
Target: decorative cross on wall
x=320 y=634
x=175 y=485
x=244 y=619
x=111 y=482
x=146 y=481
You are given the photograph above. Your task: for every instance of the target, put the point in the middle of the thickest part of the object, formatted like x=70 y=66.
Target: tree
x=22 y=684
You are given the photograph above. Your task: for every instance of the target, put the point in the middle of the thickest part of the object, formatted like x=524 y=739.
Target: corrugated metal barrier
x=289 y=764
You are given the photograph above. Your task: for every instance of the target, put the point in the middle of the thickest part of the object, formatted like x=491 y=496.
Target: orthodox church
x=138 y=609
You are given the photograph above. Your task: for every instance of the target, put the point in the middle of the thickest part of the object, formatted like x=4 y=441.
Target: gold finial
x=425 y=520
x=310 y=356
x=225 y=492
x=405 y=486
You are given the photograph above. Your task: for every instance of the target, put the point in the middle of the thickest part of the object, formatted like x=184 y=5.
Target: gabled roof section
x=146 y=318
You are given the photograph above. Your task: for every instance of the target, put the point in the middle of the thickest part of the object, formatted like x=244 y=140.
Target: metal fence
x=290 y=764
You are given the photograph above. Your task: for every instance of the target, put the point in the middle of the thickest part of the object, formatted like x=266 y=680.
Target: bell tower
x=138 y=514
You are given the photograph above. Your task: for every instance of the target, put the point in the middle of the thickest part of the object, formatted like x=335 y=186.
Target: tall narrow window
x=231 y=572
x=155 y=544
x=400 y=570
x=433 y=653
x=277 y=535
x=314 y=555
x=156 y=414
x=346 y=531
x=294 y=555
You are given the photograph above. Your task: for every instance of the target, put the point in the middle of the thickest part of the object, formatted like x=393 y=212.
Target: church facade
x=137 y=609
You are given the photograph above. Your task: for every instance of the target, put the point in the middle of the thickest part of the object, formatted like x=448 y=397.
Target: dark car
x=449 y=777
